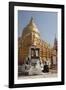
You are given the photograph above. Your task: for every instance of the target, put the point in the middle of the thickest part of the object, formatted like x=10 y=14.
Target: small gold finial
x=31 y=21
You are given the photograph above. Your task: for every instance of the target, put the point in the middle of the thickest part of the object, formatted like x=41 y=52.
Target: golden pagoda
x=31 y=36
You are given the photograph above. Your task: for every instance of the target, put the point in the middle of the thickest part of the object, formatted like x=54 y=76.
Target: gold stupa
x=31 y=36
x=30 y=28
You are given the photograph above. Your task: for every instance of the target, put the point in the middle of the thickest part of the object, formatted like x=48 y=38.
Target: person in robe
x=46 y=68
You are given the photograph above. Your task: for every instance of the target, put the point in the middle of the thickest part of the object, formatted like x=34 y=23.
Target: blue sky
x=46 y=23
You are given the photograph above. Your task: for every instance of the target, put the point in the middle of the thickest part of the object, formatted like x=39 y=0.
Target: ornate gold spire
x=31 y=27
x=31 y=21
x=32 y=24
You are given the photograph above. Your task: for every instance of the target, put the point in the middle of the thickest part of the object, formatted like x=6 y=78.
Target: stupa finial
x=32 y=20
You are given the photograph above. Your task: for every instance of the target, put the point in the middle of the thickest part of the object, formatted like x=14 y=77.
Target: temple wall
x=45 y=51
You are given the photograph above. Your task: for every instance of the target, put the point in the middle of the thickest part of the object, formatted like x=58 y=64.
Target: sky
x=46 y=23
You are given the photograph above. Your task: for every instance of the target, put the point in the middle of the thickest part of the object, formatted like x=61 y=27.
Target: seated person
x=45 y=68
